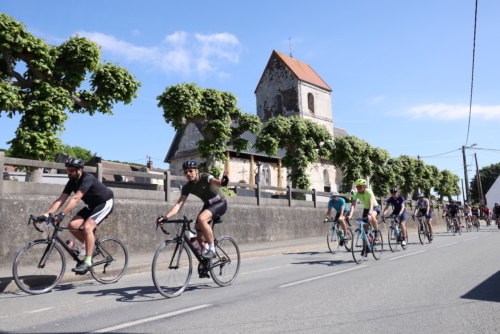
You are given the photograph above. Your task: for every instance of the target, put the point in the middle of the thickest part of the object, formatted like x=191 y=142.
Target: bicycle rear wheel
x=225 y=266
x=348 y=239
x=392 y=239
x=332 y=239
x=358 y=246
x=171 y=268
x=109 y=260
x=421 y=233
x=378 y=247
x=37 y=271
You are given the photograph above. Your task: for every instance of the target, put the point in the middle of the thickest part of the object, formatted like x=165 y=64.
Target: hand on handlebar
x=41 y=219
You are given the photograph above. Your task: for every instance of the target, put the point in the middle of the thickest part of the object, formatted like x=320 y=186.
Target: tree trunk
x=34 y=175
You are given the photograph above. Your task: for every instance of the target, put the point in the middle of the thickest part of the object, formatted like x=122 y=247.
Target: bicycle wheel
x=358 y=246
x=109 y=260
x=225 y=266
x=468 y=226
x=332 y=239
x=421 y=232
x=405 y=246
x=454 y=227
x=459 y=229
x=392 y=238
x=37 y=271
x=476 y=226
x=378 y=247
x=449 y=225
x=171 y=268
x=348 y=239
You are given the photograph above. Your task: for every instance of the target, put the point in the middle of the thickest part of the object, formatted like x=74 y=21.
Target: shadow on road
x=487 y=291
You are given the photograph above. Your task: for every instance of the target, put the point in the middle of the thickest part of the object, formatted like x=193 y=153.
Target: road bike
x=423 y=229
x=334 y=239
x=173 y=266
x=456 y=226
x=41 y=265
x=395 y=237
x=469 y=222
x=449 y=224
x=475 y=224
x=363 y=242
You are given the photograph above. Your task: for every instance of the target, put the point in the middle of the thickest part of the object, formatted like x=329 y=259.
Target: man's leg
x=202 y=224
x=77 y=222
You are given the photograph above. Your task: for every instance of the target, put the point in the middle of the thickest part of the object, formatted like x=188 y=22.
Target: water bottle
x=194 y=241
x=370 y=238
x=73 y=247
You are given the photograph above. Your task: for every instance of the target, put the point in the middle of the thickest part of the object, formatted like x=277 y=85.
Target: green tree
x=222 y=123
x=448 y=185
x=305 y=143
x=50 y=85
x=431 y=179
x=78 y=152
x=386 y=177
x=488 y=174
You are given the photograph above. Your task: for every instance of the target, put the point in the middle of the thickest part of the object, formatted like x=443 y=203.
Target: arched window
x=326 y=181
x=266 y=175
x=310 y=102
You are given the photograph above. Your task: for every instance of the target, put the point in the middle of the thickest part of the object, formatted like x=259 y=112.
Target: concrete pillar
x=99 y=171
x=257 y=193
x=314 y=197
x=289 y=195
x=2 y=165
x=280 y=176
x=252 y=167
x=166 y=185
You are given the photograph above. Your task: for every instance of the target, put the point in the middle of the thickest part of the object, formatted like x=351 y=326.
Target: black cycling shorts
x=337 y=216
x=217 y=209
x=97 y=213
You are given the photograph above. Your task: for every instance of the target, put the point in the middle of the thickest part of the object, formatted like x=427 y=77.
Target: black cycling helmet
x=74 y=162
x=190 y=164
x=394 y=190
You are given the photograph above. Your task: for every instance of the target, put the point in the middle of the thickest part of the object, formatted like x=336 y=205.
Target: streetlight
x=467 y=195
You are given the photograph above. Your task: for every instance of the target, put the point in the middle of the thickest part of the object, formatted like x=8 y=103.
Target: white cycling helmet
x=334 y=194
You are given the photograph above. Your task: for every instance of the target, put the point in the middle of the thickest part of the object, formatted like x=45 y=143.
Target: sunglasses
x=191 y=171
x=70 y=170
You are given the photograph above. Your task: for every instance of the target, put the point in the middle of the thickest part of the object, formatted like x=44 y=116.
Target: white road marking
x=258 y=271
x=40 y=310
x=448 y=244
x=318 y=277
x=157 y=317
x=395 y=258
x=486 y=235
x=471 y=239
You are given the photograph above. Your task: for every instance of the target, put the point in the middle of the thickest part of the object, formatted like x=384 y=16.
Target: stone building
x=288 y=87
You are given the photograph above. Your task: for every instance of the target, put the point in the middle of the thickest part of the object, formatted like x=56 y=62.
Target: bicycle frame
x=362 y=222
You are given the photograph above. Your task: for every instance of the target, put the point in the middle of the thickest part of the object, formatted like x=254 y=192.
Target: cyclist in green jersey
x=371 y=208
x=207 y=188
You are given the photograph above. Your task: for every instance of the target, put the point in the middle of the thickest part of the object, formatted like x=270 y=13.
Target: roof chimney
x=149 y=163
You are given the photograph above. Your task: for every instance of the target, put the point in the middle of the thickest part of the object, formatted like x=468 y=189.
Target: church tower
x=289 y=87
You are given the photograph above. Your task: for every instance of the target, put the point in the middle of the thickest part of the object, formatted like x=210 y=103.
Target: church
x=287 y=87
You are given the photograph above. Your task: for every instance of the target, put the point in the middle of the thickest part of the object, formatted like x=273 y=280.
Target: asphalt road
x=449 y=286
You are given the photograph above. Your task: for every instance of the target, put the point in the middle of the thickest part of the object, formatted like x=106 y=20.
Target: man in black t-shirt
x=207 y=188
x=99 y=204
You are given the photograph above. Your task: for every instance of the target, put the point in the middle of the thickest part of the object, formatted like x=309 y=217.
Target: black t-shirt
x=95 y=192
x=207 y=192
x=453 y=208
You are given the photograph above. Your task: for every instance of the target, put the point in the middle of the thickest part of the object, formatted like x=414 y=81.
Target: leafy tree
x=448 y=185
x=488 y=174
x=386 y=177
x=431 y=179
x=6 y=152
x=222 y=122
x=305 y=143
x=78 y=152
x=411 y=174
x=50 y=85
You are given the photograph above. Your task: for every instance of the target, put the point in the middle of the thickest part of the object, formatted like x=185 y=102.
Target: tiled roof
x=338 y=132
x=301 y=70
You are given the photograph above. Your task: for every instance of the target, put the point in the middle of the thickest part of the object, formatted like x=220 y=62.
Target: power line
x=472 y=79
x=486 y=149
x=435 y=155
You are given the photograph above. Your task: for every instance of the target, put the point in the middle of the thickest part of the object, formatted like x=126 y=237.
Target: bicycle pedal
x=204 y=275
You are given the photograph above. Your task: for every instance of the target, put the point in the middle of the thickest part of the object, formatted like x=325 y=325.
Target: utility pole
x=479 y=184
x=466 y=176
x=463 y=194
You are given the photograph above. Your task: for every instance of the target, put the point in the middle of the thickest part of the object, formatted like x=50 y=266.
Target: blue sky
x=400 y=70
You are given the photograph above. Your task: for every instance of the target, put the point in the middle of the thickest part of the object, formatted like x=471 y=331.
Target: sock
x=206 y=246
x=212 y=248
x=88 y=260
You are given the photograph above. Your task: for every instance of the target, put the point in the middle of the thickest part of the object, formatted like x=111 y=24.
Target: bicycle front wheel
x=37 y=268
x=476 y=226
x=172 y=268
x=358 y=246
x=348 y=239
x=378 y=247
x=332 y=239
x=459 y=229
x=392 y=239
x=225 y=266
x=421 y=233
x=109 y=260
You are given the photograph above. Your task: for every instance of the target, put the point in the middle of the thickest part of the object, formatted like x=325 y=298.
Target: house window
x=326 y=181
x=266 y=175
x=278 y=104
x=310 y=102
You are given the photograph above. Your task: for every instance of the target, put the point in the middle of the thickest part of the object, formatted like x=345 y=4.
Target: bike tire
x=348 y=239
x=454 y=228
x=32 y=279
x=421 y=233
x=476 y=227
x=459 y=229
x=358 y=246
x=378 y=247
x=171 y=273
x=332 y=239
x=392 y=239
x=405 y=246
x=109 y=260
x=225 y=266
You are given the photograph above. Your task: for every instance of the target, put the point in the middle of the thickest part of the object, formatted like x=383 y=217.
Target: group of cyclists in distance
x=99 y=203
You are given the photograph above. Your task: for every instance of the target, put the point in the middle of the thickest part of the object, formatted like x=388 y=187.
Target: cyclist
x=454 y=210
x=99 y=204
x=467 y=213
x=207 y=188
x=486 y=214
x=423 y=207
x=496 y=211
x=475 y=212
x=370 y=206
x=399 y=210
x=338 y=203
